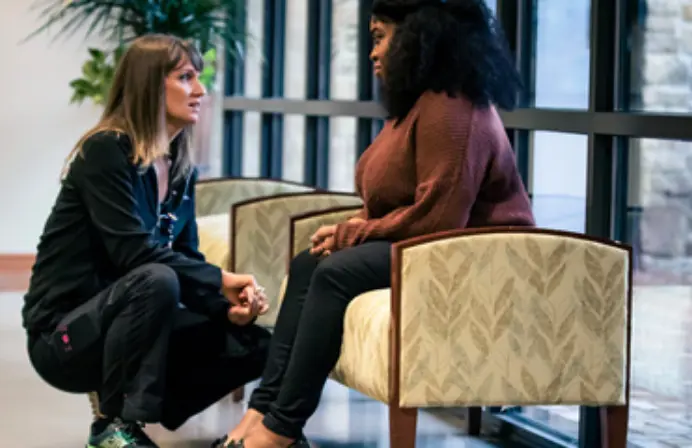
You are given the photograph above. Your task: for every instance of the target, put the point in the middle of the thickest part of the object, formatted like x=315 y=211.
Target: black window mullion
x=233 y=120
x=626 y=15
x=602 y=96
x=517 y=18
x=600 y=159
x=272 y=87
x=278 y=69
x=318 y=83
x=365 y=127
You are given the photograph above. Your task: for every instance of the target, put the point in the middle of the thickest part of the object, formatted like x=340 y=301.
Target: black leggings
x=307 y=339
x=149 y=359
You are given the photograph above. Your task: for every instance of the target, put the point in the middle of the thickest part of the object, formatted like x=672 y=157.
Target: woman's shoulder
x=103 y=150
x=106 y=139
x=437 y=105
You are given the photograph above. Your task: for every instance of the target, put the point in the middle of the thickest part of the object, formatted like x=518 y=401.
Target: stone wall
x=662 y=82
x=661 y=187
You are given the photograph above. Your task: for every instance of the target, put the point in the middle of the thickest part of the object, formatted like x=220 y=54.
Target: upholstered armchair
x=260 y=231
x=214 y=201
x=490 y=317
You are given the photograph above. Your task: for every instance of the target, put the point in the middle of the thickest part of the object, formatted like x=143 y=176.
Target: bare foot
x=249 y=420
x=261 y=437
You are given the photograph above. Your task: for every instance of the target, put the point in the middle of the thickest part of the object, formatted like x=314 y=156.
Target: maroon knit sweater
x=446 y=166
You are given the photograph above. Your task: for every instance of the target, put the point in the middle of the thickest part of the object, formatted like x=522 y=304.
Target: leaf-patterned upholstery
x=518 y=317
x=213 y=201
x=490 y=317
x=216 y=196
x=260 y=236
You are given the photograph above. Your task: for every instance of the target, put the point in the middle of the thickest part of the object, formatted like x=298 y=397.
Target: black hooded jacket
x=107 y=221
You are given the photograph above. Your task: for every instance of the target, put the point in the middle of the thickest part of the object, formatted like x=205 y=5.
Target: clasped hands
x=247 y=298
x=323 y=240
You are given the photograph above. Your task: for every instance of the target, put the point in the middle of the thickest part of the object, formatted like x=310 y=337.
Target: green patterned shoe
x=121 y=435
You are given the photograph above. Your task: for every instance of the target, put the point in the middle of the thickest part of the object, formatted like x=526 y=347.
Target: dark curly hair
x=452 y=46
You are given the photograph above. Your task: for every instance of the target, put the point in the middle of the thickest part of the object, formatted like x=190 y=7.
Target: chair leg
x=473 y=420
x=239 y=394
x=614 y=423
x=402 y=426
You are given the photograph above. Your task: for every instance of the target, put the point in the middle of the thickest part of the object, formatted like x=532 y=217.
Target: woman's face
x=184 y=93
x=381 y=35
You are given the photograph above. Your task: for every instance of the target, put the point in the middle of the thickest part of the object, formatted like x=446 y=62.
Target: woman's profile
x=121 y=302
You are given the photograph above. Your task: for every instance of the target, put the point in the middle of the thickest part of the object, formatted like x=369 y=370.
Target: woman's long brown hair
x=136 y=104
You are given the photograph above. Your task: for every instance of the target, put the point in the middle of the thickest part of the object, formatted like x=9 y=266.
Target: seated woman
x=441 y=162
x=121 y=302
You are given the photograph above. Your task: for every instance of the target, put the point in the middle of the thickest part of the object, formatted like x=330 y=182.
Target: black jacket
x=107 y=221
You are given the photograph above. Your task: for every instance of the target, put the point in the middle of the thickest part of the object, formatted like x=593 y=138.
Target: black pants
x=149 y=359
x=307 y=338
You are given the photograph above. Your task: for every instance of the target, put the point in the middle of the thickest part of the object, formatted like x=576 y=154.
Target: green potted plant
x=208 y=23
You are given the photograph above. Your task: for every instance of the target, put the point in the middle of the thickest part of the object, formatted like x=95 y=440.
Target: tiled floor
x=655 y=421
x=33 y=415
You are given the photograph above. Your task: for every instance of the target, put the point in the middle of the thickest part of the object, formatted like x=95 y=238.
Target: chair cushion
x=363 y=364
x=214 y=241
x=364 y=361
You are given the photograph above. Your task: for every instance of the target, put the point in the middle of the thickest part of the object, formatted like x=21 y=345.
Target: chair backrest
x=216 y=196
x=260 y=236
x=305 y=225
x=512 y=316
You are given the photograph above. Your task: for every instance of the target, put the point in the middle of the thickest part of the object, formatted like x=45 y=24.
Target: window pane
x=252 y=135
x=558 y=180
x=660 y=41
x=343 y=86
x=294 y=88
x=254 y=52
x=558 y=186
x=342 y=153
x=562 y=54
x=344 y=68
x=660 y=229
x=296 y=49
x=294 y=148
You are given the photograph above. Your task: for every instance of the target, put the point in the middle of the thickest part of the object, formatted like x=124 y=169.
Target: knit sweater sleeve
x=448 y=172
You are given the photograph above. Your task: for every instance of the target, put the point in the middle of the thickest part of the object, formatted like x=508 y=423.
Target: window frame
x=607 y=123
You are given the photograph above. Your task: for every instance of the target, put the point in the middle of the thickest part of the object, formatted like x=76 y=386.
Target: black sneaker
x=119 y=434
x=221 y=443
x=137 y=430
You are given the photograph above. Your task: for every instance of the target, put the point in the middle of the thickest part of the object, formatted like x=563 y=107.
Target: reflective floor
x=33 y=415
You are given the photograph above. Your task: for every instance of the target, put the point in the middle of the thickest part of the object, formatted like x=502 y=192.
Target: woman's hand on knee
x=323 y=241
x=324 y=248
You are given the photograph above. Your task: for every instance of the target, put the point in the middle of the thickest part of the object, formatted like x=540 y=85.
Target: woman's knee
x=331 y=269
x=159 y=281
x=304 y=262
